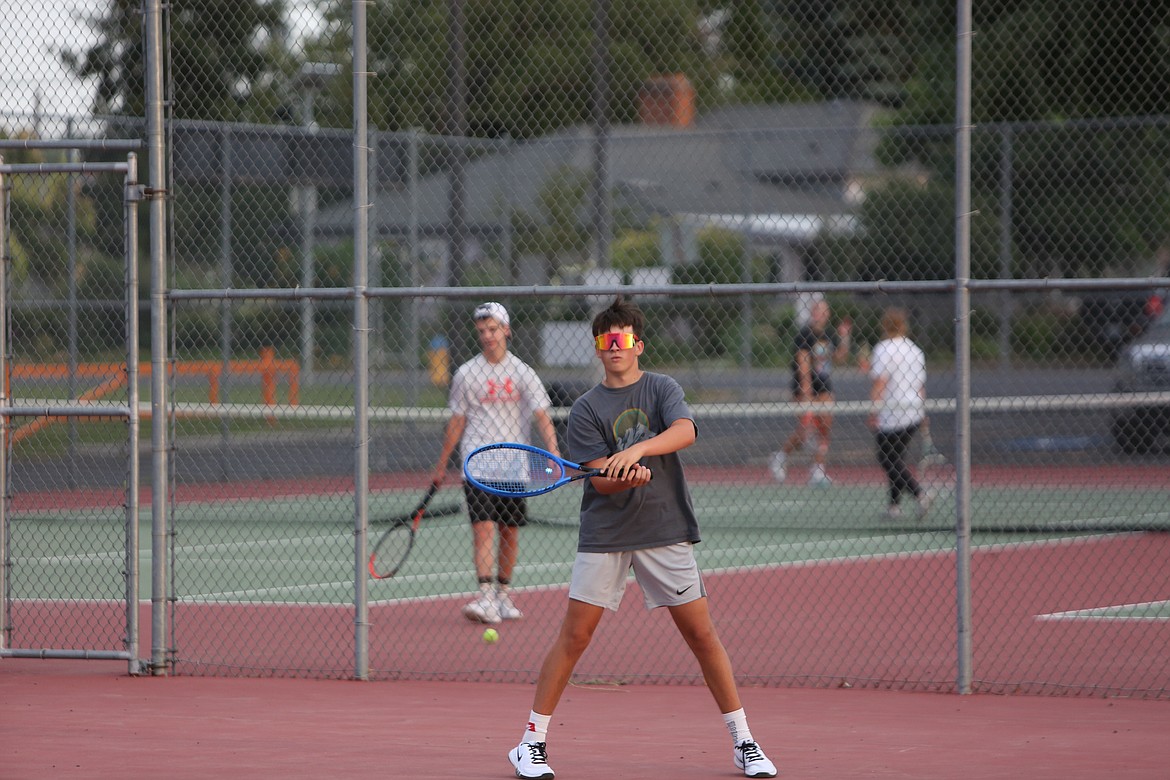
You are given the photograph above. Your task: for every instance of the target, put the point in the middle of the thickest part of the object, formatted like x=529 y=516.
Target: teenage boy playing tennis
x=495 y=396
x=632 y=426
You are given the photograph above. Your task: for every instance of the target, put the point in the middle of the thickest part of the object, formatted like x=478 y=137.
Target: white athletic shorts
x=669 y=576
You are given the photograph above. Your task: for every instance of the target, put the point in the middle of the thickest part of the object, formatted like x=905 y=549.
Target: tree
x=1089 y=175
x=37 y=242
x=42 y=268
x=223 y=57
x=821 y=49
x=527 y=61
x=554 y=231
x=908 y=235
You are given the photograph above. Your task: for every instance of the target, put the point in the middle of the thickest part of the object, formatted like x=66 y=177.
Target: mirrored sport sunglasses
x=606 y=341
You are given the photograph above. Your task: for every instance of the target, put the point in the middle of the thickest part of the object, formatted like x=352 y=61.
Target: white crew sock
x=737 y=726
x=537 y=728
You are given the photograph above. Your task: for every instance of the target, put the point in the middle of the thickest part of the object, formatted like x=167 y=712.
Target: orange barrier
x=113 y=376
x=105 y=388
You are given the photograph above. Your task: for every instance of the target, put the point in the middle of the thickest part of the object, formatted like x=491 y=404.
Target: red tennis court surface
x=90 y=720
x=817 y=604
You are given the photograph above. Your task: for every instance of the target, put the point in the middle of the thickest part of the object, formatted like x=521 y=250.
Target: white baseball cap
x=494 y=310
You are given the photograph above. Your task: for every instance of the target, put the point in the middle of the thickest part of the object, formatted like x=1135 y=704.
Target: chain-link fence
x=69 y=538
x=727 y=165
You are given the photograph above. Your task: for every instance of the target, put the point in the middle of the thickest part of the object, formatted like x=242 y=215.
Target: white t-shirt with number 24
x=498 y=400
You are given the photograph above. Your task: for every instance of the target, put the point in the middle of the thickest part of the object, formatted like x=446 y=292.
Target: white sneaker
x=505 y=608
x=777 y=464
x=482 y=609
x=893 y=512
x=531 y=762
x=925 y=502
x=752 y=760
x=818 y=477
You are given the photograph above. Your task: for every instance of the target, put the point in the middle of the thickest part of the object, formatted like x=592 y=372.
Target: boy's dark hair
x=895 y=322
x=621 y=313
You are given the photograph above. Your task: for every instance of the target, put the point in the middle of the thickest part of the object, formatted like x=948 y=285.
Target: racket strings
x=391 y=550
x=514 y=470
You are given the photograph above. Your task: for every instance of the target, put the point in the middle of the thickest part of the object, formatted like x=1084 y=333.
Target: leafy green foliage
x=223 y=55
x=527 y=62
x=800 y=50
x=1089 y=198
x=636 y=249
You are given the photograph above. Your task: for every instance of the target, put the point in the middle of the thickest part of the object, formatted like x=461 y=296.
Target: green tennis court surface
x=300 y=550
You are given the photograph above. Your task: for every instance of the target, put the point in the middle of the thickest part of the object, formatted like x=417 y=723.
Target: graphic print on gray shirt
x=607 y=420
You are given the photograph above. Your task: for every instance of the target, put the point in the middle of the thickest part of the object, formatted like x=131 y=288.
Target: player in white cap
x=494 y=397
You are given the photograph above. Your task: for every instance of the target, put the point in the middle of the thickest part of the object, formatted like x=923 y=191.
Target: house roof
x=803 y=142
x=785 y=161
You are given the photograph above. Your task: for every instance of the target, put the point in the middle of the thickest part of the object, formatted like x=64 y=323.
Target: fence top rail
x=1129 y=283
x=53 y=408
x=286 y=293
x=672 y=290
x=99 y=144
x=39 y=168
x=536 y=291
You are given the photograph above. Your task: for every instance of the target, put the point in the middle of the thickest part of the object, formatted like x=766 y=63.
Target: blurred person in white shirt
x=898 y=372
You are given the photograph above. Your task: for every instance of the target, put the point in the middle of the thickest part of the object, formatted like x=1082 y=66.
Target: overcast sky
x=32 y=32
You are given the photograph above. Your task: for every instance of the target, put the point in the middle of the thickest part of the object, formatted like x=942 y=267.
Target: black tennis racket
x=936 y=473
x=520 y=470
x=394 y=546
x=931 y=455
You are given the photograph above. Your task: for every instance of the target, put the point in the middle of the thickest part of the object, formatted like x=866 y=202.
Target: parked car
x=1111 y=319
x=1144 y=367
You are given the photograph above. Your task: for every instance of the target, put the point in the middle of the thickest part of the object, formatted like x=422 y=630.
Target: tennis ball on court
x=491 y=636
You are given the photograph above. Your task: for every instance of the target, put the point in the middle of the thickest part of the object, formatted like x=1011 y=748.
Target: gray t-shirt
x=606 y=420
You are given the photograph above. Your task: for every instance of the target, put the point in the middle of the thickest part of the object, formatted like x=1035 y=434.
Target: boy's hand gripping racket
x=395 y=544
x=521 y=470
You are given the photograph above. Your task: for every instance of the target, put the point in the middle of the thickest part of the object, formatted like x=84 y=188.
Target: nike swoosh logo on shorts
x=679 y=592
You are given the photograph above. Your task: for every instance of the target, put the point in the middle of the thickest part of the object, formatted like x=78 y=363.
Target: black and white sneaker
x=531 y=761
x=752 y=760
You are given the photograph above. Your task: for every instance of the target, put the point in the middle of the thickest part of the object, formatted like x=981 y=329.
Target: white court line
x=227 y=596
x=446 y=596
x=1095 y=613
x=91 y=601
x=231 y=597
x=807 y=547
x=261 y=543
x=48 y=560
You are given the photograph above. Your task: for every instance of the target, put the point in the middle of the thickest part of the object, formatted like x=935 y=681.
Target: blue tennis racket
x=520 y=470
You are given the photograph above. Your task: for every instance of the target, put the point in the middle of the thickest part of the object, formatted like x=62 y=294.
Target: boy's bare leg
x=693 y=621
x=576 y=632
x=483 y=552
x=824 y=426
x=509 y=551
